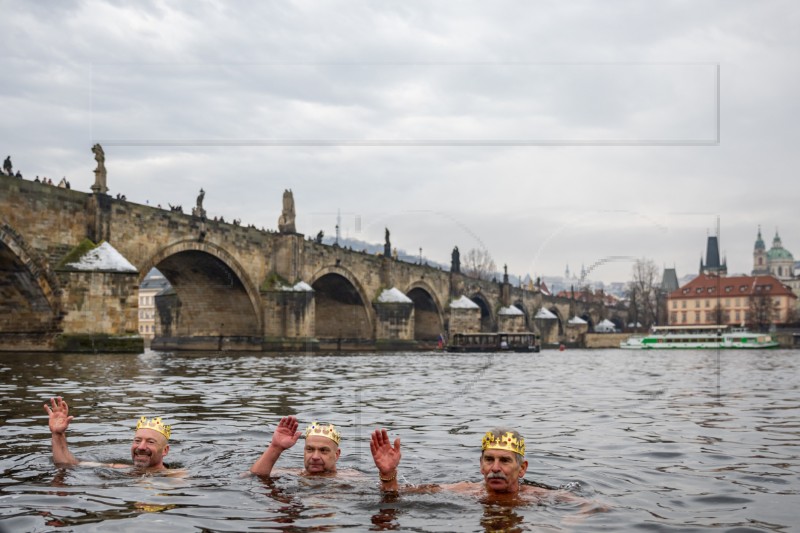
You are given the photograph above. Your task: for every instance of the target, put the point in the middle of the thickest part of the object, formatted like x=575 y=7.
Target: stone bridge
x=234 y=287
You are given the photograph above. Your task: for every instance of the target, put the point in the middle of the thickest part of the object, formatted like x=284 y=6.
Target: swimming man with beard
x=150 y=443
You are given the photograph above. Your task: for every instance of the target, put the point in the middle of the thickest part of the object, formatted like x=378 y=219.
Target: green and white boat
x=699 y=338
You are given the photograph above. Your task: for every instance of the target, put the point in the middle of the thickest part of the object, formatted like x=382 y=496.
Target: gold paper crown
x=505 y=442
x=329 y=431
x=155 y=424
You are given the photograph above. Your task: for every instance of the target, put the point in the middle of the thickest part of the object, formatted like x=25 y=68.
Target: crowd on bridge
x=8 y=170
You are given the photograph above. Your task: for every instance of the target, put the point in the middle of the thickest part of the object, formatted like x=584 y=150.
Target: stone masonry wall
x=394 y=321
x=100 y=302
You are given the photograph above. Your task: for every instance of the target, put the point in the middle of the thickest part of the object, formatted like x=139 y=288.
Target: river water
x=672 y=441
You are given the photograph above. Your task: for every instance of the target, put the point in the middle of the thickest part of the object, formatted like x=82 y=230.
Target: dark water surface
x=670 y=441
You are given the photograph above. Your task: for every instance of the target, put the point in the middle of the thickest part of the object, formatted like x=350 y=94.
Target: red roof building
x=736 y=298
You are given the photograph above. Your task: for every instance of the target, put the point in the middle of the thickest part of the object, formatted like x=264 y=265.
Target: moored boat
x=493 y=342
x=699 y=338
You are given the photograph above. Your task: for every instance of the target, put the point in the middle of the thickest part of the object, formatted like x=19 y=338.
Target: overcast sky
x=551 y=133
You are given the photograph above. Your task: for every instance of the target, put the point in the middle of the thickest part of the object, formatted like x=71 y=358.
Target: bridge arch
x=488 y=320
x=589 y=320
x=428 y=316
x=341 y=307
x=29 y=301
x=561 y=320
x=519 y=304
x=217 y=297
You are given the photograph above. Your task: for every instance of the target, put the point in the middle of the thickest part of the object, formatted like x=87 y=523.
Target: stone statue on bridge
x=387 y=246
x=100 y=172
x=286 y=221
x=199 y=211
x=455 y=261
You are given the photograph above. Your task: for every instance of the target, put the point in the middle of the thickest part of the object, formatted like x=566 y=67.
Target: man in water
x=150 y=443
x=319 y=455
x=502 y=464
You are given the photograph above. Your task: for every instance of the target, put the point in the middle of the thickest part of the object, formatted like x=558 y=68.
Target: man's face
x=320 y=455
x=501 y=471
x=149 y=448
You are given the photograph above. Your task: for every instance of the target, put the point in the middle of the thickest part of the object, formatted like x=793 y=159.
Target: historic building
x=152 y=284
x=777 y=261
x=765 y=298
x=735 y=300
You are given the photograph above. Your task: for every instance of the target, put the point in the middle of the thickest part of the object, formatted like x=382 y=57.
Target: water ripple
x=651 y=437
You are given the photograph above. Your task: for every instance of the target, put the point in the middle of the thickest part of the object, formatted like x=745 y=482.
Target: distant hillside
x=361 y=246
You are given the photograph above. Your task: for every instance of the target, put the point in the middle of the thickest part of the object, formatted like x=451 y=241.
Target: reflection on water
x=669 y=441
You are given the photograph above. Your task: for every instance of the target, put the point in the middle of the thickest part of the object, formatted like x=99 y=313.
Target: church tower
x=760 y=266
x=712 y=265
x=780 y=260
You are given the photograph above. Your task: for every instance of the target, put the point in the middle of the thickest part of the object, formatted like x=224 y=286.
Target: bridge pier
x=465 y=316
x=99 y=312
x=394 y=325
x=511 y=320
x=289 y=315
x=549 y=331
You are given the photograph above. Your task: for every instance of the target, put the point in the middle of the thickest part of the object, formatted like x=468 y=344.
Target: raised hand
x=385 y=455
x=286 y=433
x=58 y=411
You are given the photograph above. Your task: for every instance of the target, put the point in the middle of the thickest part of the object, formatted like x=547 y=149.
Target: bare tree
x=717 y=316
x=643 y=292
x=478 y=263
x=763 y=312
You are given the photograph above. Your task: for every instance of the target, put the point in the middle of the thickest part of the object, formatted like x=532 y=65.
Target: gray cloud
x=236 y=72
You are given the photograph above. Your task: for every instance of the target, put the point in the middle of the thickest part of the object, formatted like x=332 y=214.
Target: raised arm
x=386 y=458
x=58 y=411
x=285 y=437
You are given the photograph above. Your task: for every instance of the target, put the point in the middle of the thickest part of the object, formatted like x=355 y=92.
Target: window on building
x=683 y=304
x=697 y=317
x=683 y=316
x=738 y=316
x=708 y=303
